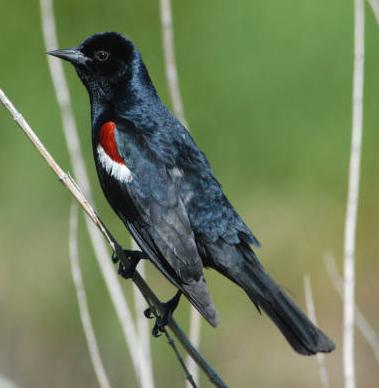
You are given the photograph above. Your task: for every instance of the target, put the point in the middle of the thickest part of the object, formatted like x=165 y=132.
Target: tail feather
x=300 y=332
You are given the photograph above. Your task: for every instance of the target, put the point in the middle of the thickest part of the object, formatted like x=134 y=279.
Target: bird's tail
x=300 y=332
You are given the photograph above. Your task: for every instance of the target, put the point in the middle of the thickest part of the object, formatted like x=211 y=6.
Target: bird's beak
x=73 y=55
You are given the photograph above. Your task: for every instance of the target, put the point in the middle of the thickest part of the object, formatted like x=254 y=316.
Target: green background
x=267 y=91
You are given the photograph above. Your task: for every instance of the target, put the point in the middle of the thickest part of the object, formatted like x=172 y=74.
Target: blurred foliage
x=267 y=92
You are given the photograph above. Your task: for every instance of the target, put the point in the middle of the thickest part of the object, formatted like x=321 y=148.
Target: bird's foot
x=127 y=271
x=163 y=319
x=137 y=255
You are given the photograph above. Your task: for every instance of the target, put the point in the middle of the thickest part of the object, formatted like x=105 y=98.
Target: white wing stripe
x=117 y=170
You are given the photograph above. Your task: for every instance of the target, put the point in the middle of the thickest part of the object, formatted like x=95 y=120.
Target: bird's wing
x=157 y=219
x=158 y=215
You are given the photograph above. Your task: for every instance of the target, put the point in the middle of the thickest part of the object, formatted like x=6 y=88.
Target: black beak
x=73 y=55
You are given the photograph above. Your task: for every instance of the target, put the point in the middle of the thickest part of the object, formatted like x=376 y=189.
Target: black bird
x=161 y=186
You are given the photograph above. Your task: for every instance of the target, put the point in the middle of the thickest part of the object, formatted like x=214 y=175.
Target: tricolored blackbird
x=162 y=187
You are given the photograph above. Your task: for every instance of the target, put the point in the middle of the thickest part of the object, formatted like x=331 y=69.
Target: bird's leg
x=134 y=257
x=163 y=319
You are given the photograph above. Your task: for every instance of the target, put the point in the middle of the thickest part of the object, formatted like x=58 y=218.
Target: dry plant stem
x=312 y=315
x=194 y=336
x=71 y=185
x=170 y=61
x=353 y=196
x=361 y=322
x=177 y=104
x=374 y=4
x=63 y=96
x=85 y=316
x=141 y=357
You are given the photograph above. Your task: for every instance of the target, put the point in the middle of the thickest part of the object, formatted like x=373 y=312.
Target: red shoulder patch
x=107 y=141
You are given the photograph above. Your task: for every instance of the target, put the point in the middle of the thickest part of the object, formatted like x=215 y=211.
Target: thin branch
x=312 y=315
x=367 y=331
x=85 y=316
x=177 y=104
x=374 y=4
x=170 y=60
x=74 y=189
x=141 y=364
x=353 y=196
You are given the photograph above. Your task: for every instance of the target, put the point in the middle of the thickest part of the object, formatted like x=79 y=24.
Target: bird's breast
x=109 y=155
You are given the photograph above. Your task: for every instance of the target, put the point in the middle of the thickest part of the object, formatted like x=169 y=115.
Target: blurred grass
x=267 y=92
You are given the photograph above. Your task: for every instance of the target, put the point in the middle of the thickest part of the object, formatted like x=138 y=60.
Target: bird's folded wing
x=161 y=222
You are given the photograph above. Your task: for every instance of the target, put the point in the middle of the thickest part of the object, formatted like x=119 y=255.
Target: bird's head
x=102 y=61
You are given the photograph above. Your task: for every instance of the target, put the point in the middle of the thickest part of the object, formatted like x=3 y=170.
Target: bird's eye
x=101 y=55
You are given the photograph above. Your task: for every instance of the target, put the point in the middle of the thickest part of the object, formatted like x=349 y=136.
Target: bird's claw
x=127 y=272
x=133 y=257
x=163 y=319
x=159 y=324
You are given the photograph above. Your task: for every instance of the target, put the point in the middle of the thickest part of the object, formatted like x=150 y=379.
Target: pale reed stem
x=85 y=316
x=363 y=325
x=312 y=315
x=353 y=196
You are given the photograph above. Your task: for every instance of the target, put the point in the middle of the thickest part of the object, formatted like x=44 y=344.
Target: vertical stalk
x=353 y=197
x=312 y=315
